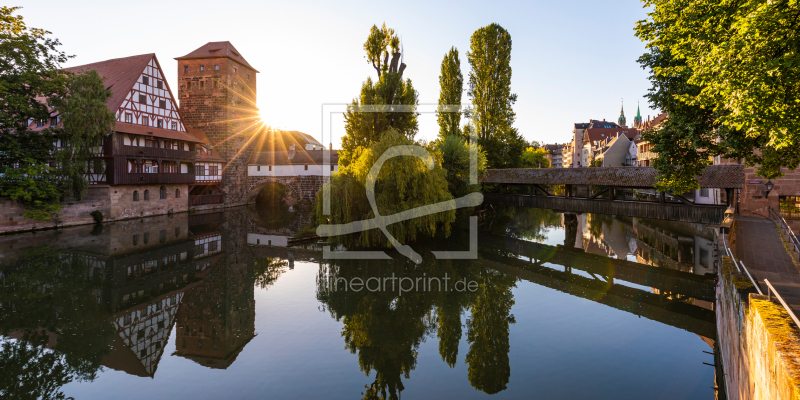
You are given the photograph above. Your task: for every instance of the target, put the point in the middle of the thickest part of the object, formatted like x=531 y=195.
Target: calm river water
x=211 y=306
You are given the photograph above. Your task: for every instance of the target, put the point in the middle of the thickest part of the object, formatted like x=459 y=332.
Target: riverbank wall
x=759 y=343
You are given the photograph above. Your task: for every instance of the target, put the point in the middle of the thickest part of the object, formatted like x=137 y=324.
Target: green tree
x=87 y=121
x=404 y=183
x=534 y=158
x=30 y=61
x=490 y=90
x=451 y=84
x=364 y=127
x=727 y=75
x=454 y=153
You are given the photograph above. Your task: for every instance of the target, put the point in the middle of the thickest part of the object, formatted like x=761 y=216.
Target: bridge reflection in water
x=195 y=278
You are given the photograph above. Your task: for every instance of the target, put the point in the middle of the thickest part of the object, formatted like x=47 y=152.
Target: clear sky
x=571 y=60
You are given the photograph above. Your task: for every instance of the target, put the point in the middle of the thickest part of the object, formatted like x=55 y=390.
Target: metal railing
x=776 y=215
x=736 y=263
x=785 y=306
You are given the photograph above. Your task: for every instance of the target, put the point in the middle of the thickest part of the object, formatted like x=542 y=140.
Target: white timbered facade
x=150 y=102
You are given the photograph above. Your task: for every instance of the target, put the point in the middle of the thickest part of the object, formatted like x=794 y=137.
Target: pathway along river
x=213 y=306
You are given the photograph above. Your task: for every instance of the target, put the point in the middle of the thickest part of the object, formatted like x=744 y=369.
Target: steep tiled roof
x=120 y=74
x=217 y=50
x=714 y=176
x=301 y=157
x=658 y=120
x=282 y=140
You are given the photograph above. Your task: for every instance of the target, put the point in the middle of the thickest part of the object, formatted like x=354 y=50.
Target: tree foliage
x=490 y=90
x=87 y=121
x=451 y=84
x=365 y=119
x=403 y=183
x=728 y=75
x=535 y=158
x=453 y=153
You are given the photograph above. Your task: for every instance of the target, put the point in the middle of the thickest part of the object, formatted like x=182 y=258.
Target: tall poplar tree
x=452 y=85
x=492 y=100
x=362 y=129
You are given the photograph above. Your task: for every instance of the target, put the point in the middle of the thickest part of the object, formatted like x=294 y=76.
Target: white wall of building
x=290 y=170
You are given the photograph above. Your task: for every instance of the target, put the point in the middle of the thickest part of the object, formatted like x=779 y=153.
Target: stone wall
x=758 y=341
x=115 y=202
x=72 y=212
x=124 y=206
x=305 y=187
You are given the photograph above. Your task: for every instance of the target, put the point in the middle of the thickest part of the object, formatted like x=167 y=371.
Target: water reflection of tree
x=386 y=329
x=267 y=270
x=47 y=293
x=524 y=222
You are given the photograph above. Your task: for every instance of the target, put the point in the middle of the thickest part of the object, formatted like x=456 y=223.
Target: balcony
x=203 y=199
x=139 y=179
x=155 y=152
x=646 y=155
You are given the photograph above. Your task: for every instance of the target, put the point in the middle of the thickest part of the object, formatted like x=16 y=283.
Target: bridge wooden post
x=567 y=190
x=661 y=197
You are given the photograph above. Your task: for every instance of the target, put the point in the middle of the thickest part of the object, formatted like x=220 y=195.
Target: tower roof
x=621 y=119
x=217 y=50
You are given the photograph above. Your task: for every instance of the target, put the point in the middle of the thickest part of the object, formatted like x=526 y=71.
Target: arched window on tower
x=146 y=195
x=135 y=195
x=177 y=193
x=162 y=193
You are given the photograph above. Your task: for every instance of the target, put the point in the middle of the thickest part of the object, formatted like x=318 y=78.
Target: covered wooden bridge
x=627 y=191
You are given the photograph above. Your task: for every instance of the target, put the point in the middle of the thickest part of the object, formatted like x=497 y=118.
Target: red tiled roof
x=217 y=50
x=658 y=120
x=595 y=134
x=120 y=74
x=123 y=127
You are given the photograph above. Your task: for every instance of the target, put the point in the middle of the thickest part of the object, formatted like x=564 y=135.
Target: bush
x=98 y=216
x=453 y=153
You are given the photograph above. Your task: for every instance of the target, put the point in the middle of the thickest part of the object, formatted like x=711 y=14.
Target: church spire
x=637 y=120
x=621 y=120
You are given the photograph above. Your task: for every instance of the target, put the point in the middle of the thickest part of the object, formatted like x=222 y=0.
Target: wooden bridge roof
x=714 y=176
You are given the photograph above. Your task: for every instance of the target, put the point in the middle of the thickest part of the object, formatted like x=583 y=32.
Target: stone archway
x=258 y=186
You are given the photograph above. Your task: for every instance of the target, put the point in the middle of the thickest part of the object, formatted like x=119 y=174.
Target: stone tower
x=217 y=93
x=637 y=120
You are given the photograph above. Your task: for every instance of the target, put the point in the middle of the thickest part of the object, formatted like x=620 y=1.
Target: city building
x=555 y=154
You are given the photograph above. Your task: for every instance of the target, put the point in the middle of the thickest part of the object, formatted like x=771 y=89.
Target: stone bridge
x=303 y=187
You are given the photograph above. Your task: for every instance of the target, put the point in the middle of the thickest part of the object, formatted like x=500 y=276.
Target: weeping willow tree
x=404 y=183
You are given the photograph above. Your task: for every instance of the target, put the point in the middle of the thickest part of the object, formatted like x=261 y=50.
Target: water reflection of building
x=217 y=318
x=683 y=247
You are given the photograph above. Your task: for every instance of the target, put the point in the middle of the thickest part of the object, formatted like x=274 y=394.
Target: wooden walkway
x=759 y=246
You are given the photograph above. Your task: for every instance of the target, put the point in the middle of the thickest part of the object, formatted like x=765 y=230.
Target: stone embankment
x=759 y=343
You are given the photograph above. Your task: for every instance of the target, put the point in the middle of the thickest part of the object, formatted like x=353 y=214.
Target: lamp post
x=769 y=186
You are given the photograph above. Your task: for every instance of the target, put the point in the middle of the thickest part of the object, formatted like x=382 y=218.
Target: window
x=185 y=69
x=40 y=123
x=188 y=85
x=306 y=167
x=160 y=123
x=142 y=99
x=248 y=77
x=162 y=193
x=145 y=121
x=213 y=246
x=143 y=353
x=258 y=168
x=213 y=170
x=177 y=232
x=135 y=240
x=162 y=104
x=127 y=320
x=162 y=236
x=53 y=121
x=703 y=192
x=199 y=170
x=202 y=84
x=146 y=198
x=202 y=68
x=234 y=70
x=216 y=67
x=216 y=84
x=174 y=126
x=177 y=196
x=135 y=198
x=789 y=206
x=140 y=335
x=332 y=167
x=129 y=118
x=145 y=80
x=146 y=235
x=159 y=84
